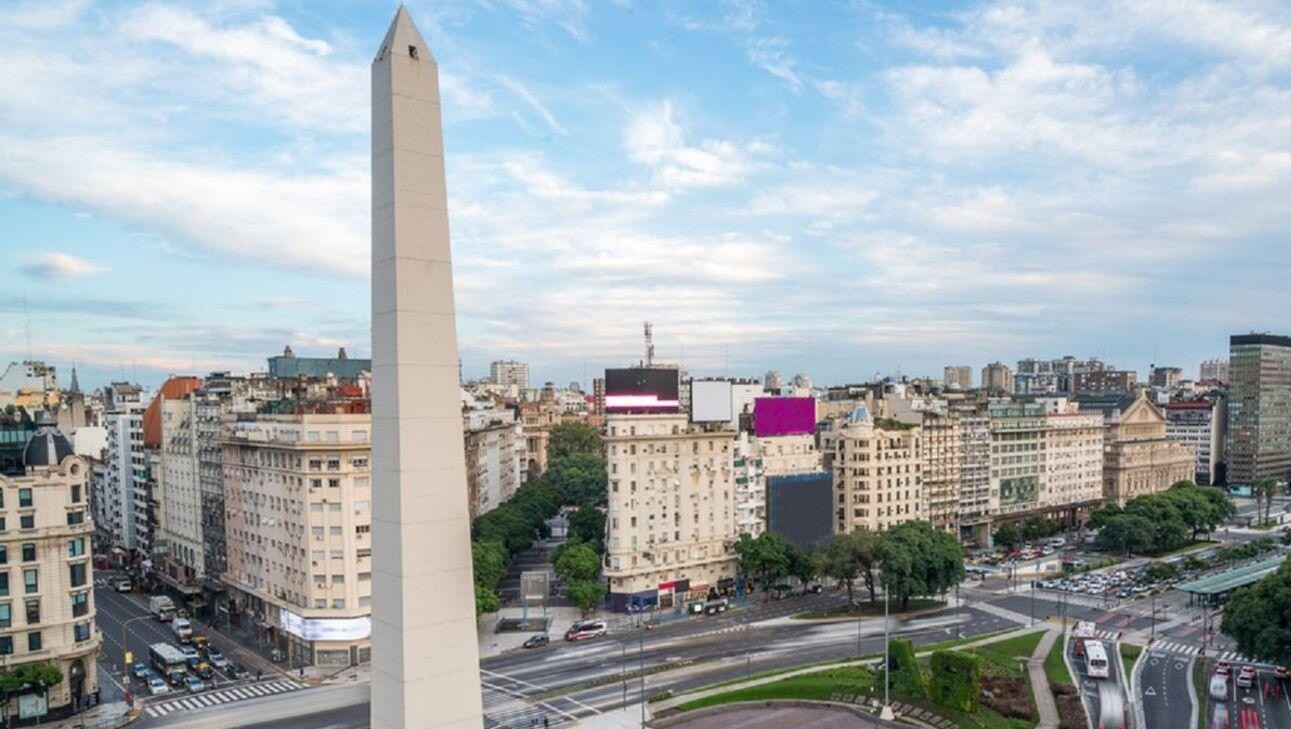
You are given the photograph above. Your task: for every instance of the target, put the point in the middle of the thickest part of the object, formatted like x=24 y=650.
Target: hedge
x=956 y=680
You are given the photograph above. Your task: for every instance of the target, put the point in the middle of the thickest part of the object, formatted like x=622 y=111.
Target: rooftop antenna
x=649 y=344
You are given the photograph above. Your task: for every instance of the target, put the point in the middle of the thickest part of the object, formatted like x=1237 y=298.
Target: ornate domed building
x=46 y=580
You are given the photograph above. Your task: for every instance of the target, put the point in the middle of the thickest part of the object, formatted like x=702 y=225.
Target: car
x=212 y=652
x=139 y=669
x=1280 y=672
x=537 y=641
x=189 y=652
x=236 y=671
x=122 y=585
x=204 y=671
x=194 y=684
x=1218 y=687
x=157 y=686
x=193 y=662
x=1246 y=677
x=585 y=629
x=220 y=662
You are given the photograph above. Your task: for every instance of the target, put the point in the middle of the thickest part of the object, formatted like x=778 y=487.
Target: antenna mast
x=649 y=344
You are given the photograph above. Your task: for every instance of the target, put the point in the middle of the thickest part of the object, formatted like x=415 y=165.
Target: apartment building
x=1073 y=464
x=46 y=583
x=943 y=461
x=974 y=512
x=878 y=472
x=1201 y=425
x=1017 y=458
x=298 y=498
x=671 y=517
x=1213 y=370
x=997 y=376
x=756 y=460
x=1104 y=382
x=495 y=457
x=124 y=487
x=958 y=377
x=510 y=373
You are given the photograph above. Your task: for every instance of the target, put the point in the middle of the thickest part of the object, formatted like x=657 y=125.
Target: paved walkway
x=1044 y=700
x=687 y=697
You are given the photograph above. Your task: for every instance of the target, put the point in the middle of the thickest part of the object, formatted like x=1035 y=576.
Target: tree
x=918 y=560
x=579 y=477
x=841 y=560
x=1160 y=571
x=588 y=525
x=486 y=600
x=1127 y=533
x=764 y=558
x=1168 y=528
x=578 y=562
x=489 y=560
x=802 y=564
x=1263 y=490
x=569 y=439
x=1286 y=537
x=1008 y=536
x=1099 y=518
x=41 y=675
x=585 y=593
x=1037 y=529
x=1258 y=617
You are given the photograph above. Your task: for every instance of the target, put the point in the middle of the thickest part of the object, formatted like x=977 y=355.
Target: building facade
x=510 y=373
x=1259 y=409
x=1104 y=382
x=298 y=501
x=671 y=517
x=288 y=366
x=958 y=377
x=997 y=376
x=943 y=460
x=47 y=614
x=1165 y=377
x=125 y=484
x=878 y=473
x=974 y=512
x=1138 y=459
x=495 y=458
x=1213 y=370
x=1200 y=425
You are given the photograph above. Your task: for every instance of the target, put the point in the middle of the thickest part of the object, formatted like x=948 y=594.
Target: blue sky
x=836 y=188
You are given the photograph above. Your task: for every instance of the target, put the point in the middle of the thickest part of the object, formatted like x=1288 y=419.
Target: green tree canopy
x=847 y=558
x=588 y=525
x=486 y=600
x=919 y=560
x=1037 y=528
x=579 y=477
x=1008 y=536
x=585 y=593
x=570 y=439
x=1258 y=617
x=31 y=675
x=489 y=560
x=764 y=558
x=803 y=564
x=1127 y=533
x=578 y=562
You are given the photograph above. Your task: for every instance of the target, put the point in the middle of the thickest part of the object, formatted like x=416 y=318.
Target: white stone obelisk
x=425 y=662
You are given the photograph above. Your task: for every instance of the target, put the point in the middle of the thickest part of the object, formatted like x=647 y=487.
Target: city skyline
x=912 y=188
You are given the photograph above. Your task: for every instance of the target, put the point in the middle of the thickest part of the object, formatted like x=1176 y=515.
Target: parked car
x=584 y=629
x=237 y=671
x=1218 y=687
x=1246 y=676
x=713 y=607
x=157 y=687
x=139 y=669
x=122 y=584
x=537 y=641
x=194 y=684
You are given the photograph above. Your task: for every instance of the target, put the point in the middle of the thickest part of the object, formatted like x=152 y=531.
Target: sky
x=836 y=188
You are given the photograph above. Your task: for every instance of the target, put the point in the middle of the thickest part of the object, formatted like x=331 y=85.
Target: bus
x=1096 y=659
x=168 y=662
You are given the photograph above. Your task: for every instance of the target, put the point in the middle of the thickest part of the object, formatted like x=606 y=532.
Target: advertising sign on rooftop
x=710 y=401
x=784 y=416
x=642 y=390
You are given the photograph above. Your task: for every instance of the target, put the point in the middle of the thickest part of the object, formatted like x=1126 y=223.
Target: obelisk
x=425 y=663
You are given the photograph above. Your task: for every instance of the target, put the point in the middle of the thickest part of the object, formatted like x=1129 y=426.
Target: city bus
x=1096 y=659
x=168 y=662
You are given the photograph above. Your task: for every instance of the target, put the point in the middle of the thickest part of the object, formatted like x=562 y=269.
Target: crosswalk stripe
x=153 y=712
x=239 y=693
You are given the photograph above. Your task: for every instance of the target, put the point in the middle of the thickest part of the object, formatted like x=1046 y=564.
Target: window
x=320 y=602
x=29 y=552
x=365 y=577
x=316 y=507
x=76 y=493
x=317 y=555
x=6 y=645
x=6 y=615
x=75 y=517
x=82 y=632
x=333 y=436
x=4 y=555
x=360 y=506
x=24 y=498
x=33 y=640
x=320 y=580
x=318 y=533
x=336 y=531
x=4 y=584
x=80 y=604
x=33 y=612
x=333 y=464
x=334 y=507
x=334 y=483
x=338 y=554
x=338 y=579
x=338 y=602
x=2 y=524
x=359 y=435
x=363 y=529
x=315 y=483
x=76 y=547
x=31 y=581
x=76 y=574
x=27 y=521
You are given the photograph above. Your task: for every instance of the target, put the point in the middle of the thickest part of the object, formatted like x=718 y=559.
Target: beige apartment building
x=942 y=453
x=1073 y=461
x=298 y=521
x=671 y=517
x=878 y=472
x=756 y=459
x=46 y=582
x=180 y=530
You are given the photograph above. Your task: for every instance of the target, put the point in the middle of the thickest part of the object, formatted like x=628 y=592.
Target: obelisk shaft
x=425 y=662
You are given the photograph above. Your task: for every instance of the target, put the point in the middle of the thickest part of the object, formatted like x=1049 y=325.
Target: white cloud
x=655 y=139
x=534 y=103
x=771 y=54
x=58 y=266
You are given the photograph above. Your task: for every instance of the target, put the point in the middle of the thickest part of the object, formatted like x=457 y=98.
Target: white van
x=183 y=629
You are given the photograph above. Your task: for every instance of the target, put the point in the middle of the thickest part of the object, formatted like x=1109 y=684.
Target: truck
x=168 y=662
x=183 y=629
x=161 y=607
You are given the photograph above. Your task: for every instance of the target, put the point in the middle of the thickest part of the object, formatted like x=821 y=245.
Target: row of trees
x=1010 y=536
x=1263 y=491
x=575 y=475
x=1161 y=522
x=908 y=560
x=1258 y=617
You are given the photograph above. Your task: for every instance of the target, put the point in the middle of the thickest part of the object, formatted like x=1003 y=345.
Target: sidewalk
x=704 y=693
x=1044 y=700
x=103 y=716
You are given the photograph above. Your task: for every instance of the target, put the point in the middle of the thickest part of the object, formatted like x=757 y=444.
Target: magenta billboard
x=784 y=416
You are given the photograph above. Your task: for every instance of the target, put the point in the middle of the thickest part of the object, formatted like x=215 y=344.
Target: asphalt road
x=1104 y=697
x=1264 y=705
x=1164 y=690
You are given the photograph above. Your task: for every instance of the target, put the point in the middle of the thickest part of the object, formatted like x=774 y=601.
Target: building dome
x=48 y=446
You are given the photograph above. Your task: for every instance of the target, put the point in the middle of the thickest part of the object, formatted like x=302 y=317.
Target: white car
x=157 y=686
x=1218 y=687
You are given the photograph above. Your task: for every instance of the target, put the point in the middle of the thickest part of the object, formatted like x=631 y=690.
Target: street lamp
x=125 y=665
x=886 y=712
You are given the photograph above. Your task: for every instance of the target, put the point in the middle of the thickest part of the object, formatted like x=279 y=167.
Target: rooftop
x=1229 y=580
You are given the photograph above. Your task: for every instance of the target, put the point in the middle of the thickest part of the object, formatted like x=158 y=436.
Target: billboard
x=800 y=507
x=324 y=628
x=642 y=390
x=710 y=401
x=784 y=416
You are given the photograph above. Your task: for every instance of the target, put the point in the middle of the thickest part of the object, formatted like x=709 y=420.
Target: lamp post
x=125 y=665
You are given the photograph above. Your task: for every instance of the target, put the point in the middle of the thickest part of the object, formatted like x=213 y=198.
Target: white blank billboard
x=710 y=401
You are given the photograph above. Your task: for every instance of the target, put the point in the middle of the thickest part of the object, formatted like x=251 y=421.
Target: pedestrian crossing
x=192 y=702
x=505 y=711
x=1189 y=649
